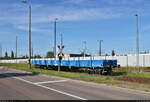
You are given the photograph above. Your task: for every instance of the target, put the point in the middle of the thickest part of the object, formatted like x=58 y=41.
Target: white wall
x=126 y=60
x=14 y=61
x=130 y=60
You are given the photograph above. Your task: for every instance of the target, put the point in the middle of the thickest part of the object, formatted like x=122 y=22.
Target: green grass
x=72 y=75
x=128 y=67
x=139 y=74
x=109 y=79
x=131 y=74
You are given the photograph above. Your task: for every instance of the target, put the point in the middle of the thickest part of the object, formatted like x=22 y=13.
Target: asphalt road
x=20 y=85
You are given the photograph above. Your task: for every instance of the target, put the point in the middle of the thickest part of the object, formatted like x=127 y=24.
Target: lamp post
x=100 y=50
x=24 y=1
x=137 y=43
x=16 y=47
x=84 y=50
x=1 y=51
x=32 y=52
x=55 y=37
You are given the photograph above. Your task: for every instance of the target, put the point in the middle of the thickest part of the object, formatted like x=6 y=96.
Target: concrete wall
x=14 y=61
x=130 y=60
x=126 y=60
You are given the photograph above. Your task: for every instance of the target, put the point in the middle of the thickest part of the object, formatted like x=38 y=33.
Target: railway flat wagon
x=100 y=66
x=74 y=63
x=65 y=63
x=85 y=63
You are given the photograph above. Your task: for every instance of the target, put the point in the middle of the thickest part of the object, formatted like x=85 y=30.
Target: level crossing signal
x=60 y=54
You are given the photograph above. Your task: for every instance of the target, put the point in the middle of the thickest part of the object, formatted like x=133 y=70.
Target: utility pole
x=137 y=43
x=32 y=52
x=100 y=50
x=16 y=48
x=61 y=39
x=55 y=37
x=25 y=1
x=29 y=36
x=84 y=50
x=60 y=54
x=61 y=43
x=1 y=50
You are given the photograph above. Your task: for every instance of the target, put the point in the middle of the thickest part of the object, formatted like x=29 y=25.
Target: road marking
x=65 y=93
x=62 y=92
x=45 y=82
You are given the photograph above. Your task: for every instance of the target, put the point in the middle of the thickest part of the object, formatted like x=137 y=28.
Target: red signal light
x=58 y=46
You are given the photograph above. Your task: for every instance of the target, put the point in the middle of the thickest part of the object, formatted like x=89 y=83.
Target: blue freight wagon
x=65 y=63
x=101 y=66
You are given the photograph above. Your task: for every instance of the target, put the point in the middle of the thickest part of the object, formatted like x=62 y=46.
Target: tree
x=106 y=54
x=82 y=53
x=49 y=54
x=35 y=56
x=26 y=56
x=6 y=54
x=38 y=56
x=23 y=57
x=12 y=54
x=145 y=52
x=113 y=53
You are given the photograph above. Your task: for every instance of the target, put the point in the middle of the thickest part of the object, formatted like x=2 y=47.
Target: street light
x=25 y=1
x=16 y=47
x=84 y=50
x=137 y=43
x=100 y=50
x=55 y=37
x=1 y=55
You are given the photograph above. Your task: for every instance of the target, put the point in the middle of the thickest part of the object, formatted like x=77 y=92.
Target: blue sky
x=112 y=21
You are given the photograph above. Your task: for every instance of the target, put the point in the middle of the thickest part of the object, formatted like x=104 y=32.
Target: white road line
x=48 y=88
x=56 y=81
x=62 y=92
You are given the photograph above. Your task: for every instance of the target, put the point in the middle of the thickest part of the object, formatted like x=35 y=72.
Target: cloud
x=90 y=14
x=34 y=29
x=123 y=2
x=74 y=1
x=146 y=28
x=72 y=14
x=17 y=14
x=42 y=13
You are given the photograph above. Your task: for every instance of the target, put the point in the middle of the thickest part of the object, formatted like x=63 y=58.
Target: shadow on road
x=6 y=75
